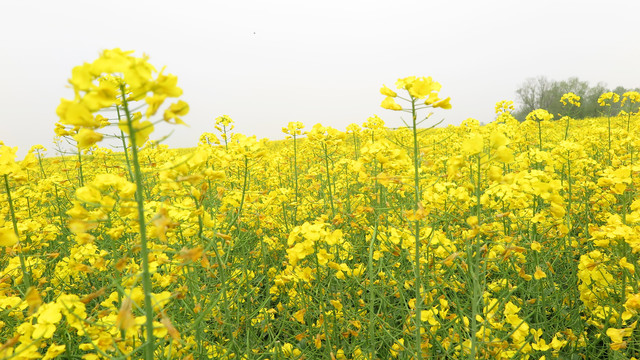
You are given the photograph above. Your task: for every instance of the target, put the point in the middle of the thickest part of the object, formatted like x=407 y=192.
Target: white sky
x=310 y=61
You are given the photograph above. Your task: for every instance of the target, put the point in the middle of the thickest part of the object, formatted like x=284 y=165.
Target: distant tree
x=572 y=84
x=542 y=93
x=590 y=107
x=532 y=94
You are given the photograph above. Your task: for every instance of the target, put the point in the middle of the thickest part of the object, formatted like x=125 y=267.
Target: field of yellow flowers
x=511 y=240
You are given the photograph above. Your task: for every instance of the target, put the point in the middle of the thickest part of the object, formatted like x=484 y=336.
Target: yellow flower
x=154 y=102
x=535 y=246
x=504 y=106
x=557 y=210
x=444 y=104
x=75 y=114
x=101 y=97
x=473 y=145
x=570 y=98
x=336 y=304
x=324 y=257
x=626 y=265
x=81 y=77
x=539 y=274
x=617 y=335
x=387 y=92
x=224 y=120
x=299 y=315
x=429 y=316
x=423 y=87
x=497 y=139
x=32 y=297
x=174 y=112
x=7 y=160
x=54 y=351
x=405 y=83
x=397 y=347
x=539 y=115
x=608 y=98
x=504 y=155
x=125 y=319
x=375 y=122
x=166 y=85
x=631 y=96
x=86 y=138
x=432 y=98
x=48 y=316
x=389 y=103
x=8 y=237
x=293 y=128
x=142 y=130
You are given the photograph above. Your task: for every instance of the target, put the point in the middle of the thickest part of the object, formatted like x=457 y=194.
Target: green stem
x=244 y=191
x=473 y=254
x=149 y=346
x=295 y=178
x=44 y=175
x=326 y=164
x=27 y=273
x=80 y=175
x=609 y=152
x=540 y=134
x=417 y=270
x=372 y=316
x=124 y=146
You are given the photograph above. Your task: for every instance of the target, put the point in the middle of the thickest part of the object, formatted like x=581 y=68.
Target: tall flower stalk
x=118 y=79
x=539 y=116
x=571 y=102
x=606 y=100
x=419 y=88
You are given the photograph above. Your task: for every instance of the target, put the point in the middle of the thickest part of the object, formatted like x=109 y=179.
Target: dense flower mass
x=103 y=84
x=474 y=241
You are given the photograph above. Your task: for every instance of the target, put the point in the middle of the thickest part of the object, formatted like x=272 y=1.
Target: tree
x=542 y=93
x=533 y=94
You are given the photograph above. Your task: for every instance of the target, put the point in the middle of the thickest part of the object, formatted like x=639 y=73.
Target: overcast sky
x=266 y=63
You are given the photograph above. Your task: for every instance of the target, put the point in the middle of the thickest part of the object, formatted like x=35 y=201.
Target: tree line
x=542 y=93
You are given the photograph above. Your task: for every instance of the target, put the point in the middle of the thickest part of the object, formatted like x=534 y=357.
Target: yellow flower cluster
x=418 y=88
x=103 y=84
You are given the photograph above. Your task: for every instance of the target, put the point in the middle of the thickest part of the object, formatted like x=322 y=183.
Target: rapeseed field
x=510 y=240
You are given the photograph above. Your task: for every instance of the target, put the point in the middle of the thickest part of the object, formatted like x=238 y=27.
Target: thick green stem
x=417 y=270
x=149 y=346
x=27 y=274
x=124 y=146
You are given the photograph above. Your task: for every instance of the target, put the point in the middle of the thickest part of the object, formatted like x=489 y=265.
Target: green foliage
x=542 y=93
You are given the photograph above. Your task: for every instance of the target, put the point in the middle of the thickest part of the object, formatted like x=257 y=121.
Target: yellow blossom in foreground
x=390 y=103
x=7 y=236
x=473 y=145
x=387 y=92
x=87 y=137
